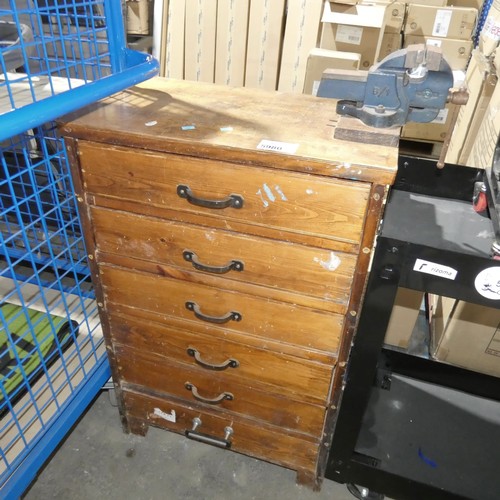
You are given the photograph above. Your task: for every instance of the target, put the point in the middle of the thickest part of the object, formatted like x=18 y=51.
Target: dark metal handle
x=232 y=315
x=215 y=401
x=205 y=438
x=229 y=363
x=233 y=200
x=234 y=265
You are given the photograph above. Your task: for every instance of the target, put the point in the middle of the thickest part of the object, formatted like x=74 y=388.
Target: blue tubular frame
x=127 y=68
x=81 y=45
x=24 y=474
x=17 y=121
x=40 y=236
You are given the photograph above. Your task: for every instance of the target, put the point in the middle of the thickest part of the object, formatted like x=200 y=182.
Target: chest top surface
x=288 y=131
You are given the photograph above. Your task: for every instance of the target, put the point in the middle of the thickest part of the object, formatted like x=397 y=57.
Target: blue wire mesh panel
x=58 y=55
x=50 y=337
x=55 y=56
x=483 y=15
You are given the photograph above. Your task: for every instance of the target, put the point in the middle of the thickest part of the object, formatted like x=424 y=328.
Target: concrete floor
x=97 y=460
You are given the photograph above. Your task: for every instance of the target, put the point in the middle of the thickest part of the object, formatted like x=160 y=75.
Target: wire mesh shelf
x=50 y=338
x=59 y=55
x=55 y=56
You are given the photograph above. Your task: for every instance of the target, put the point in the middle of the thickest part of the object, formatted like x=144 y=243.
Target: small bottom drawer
x=251 y=438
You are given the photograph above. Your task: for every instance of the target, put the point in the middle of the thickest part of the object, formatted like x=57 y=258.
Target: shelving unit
x=54 y=58
x=411 y=427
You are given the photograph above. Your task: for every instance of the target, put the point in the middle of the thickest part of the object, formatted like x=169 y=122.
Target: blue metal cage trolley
x=55 y=56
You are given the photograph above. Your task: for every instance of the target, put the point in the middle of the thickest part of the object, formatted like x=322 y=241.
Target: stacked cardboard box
x=300 y=36
x=483 y=134
x=275 y=44
x=354 y=35
x=376 y=28
x=478 y=123
x=451 y=29
x=224 y=41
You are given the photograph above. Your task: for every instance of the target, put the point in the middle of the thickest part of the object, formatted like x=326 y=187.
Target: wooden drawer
x=324 y=207
x=277 y=372
x=294 y=268
x=167 y=297
x=219 y=390
x=251 y=438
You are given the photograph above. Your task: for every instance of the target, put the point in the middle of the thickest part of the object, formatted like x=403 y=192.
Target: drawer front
x=218 y=391
x=321 y=206
x=210 y=252
x=201 y=307
x=254 y=439
x=278 y=372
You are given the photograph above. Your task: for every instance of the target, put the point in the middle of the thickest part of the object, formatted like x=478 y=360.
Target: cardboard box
x=403 y=317
x=471 y=338
x=485 y=140
x=301 y=35
x=138 y=18
x=174 y=52
x=474 y=4
x=231 y=42
x=434 y=131
x=440 y=22
x=356 y=29
x=439 y=309
x=480 y=82
x=199 y=49
x=265 y=33
x=394 y=14
x=489 y=37
x=435 y=3
x=394 y=17
x=456 y=52
x=321 y=59
x=390 y=43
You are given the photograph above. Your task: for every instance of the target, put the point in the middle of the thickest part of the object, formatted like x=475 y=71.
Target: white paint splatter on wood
x=267 y=195
x=330 y=265
x=281 y=193
x=269 y=192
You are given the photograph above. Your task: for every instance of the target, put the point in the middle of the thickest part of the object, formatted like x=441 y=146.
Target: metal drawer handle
x=229 y=363
x=215 y=401
x=232 y=315
x=233 y=200
x=234 y=265
x=205 y=438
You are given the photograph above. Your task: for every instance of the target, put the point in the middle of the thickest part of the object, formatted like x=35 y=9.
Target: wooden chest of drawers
x=229 y=235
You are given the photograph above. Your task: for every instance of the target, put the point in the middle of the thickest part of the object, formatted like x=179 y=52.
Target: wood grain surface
x=261 y=318
x=252 y=438
x=301 y=203
x=225 y=123
x=316 y=272
x=279 y=373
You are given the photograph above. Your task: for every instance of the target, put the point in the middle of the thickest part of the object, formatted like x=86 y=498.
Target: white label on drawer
x=487 y=283
x=278 y=147
x=442 y=22
x=349 y=34
x=171 y=417
x=427 y=267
